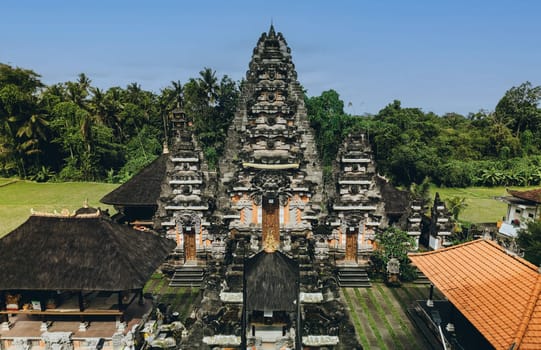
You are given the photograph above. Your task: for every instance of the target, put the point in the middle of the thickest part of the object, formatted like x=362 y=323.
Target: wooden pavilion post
x=81 y=301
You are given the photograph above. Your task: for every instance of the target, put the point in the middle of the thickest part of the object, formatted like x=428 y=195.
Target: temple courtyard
x=379 y=313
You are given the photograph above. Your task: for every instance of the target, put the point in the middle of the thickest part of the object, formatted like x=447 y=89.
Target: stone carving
x=254 y=243
x=321 y=249
x=286 y=245
x=269 y=244
x=21 y=344
x=218 y=249
x=57 y=340
x=270 y=184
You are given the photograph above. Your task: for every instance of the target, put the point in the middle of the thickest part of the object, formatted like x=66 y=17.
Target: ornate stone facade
x=441 y=225
x=185 y=202
x=270 y=201
x=359 y=205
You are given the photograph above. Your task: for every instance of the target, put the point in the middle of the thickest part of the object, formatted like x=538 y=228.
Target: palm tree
x=98 y=105
x=209 y=83
x=133 y=93
x=178 y=92
x=456 y=205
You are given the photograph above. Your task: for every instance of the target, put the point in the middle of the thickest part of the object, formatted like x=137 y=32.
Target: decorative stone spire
x=272 y=34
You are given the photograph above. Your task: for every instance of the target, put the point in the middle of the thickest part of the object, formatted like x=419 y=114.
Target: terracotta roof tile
x=498 y=293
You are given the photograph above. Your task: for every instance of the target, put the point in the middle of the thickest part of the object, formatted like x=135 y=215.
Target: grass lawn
x=379 y=315
x=482 y=207
x=18 y=197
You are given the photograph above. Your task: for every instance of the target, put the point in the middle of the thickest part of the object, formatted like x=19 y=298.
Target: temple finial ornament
x=269 y=244
x=272 y=33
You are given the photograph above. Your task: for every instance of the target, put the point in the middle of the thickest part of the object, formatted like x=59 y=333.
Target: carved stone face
x=270 y=184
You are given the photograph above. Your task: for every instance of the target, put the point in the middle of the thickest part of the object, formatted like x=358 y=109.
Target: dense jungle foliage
x=481 y=149
x=75 y=131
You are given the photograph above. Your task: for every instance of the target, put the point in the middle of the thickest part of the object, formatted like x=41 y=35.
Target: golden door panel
x=351 y=246
x=271 y=219
x=189 y=246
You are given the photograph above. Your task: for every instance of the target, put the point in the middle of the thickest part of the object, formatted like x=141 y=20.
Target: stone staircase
x=188 y=276
x=421 y=278
x=353 y=276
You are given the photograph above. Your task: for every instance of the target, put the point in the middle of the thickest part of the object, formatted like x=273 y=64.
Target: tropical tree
x=456 y=205
x=529 y=241
x=518 y=108
x=393 y=243
x=209 y=84
x=23 y=123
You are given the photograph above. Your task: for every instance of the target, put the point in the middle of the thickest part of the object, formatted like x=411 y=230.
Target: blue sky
x=441 y=56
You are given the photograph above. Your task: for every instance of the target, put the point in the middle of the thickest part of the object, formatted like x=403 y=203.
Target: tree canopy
x=75 y=131
x=529 y=241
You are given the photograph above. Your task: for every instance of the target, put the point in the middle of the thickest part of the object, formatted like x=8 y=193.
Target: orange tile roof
x=498 y=293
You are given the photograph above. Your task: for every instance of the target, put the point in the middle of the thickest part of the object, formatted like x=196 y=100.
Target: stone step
x=353 y=276
x=187 y=276
x=421 y=278
x=355 y=284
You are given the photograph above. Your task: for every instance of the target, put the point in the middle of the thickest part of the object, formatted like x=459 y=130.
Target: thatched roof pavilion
x=137 y=198
x=271 y=282
x=85 y=252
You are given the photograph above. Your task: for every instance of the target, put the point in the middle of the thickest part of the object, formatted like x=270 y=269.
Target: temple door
x=270 y=220
x=351 y=244
x=189 y=244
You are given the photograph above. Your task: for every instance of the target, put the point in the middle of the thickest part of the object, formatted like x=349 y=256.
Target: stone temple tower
x=271 y=288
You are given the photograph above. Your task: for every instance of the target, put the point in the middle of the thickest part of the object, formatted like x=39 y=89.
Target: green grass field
x=482 y=207
x=17 y=198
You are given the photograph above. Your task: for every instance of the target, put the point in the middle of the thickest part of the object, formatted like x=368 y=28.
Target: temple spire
x=272 y=33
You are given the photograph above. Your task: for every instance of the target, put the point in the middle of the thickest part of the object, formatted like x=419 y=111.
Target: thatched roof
x=271 y=282
x=143 y=189
x=396 y=201
x=79 y=253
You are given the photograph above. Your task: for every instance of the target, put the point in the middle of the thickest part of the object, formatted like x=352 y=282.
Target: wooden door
x=189 y=245
x=270 y=220
x=351 y=245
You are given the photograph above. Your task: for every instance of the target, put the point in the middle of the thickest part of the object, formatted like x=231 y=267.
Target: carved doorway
x=351 y=244
x=189 y=244
x=270 y=220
